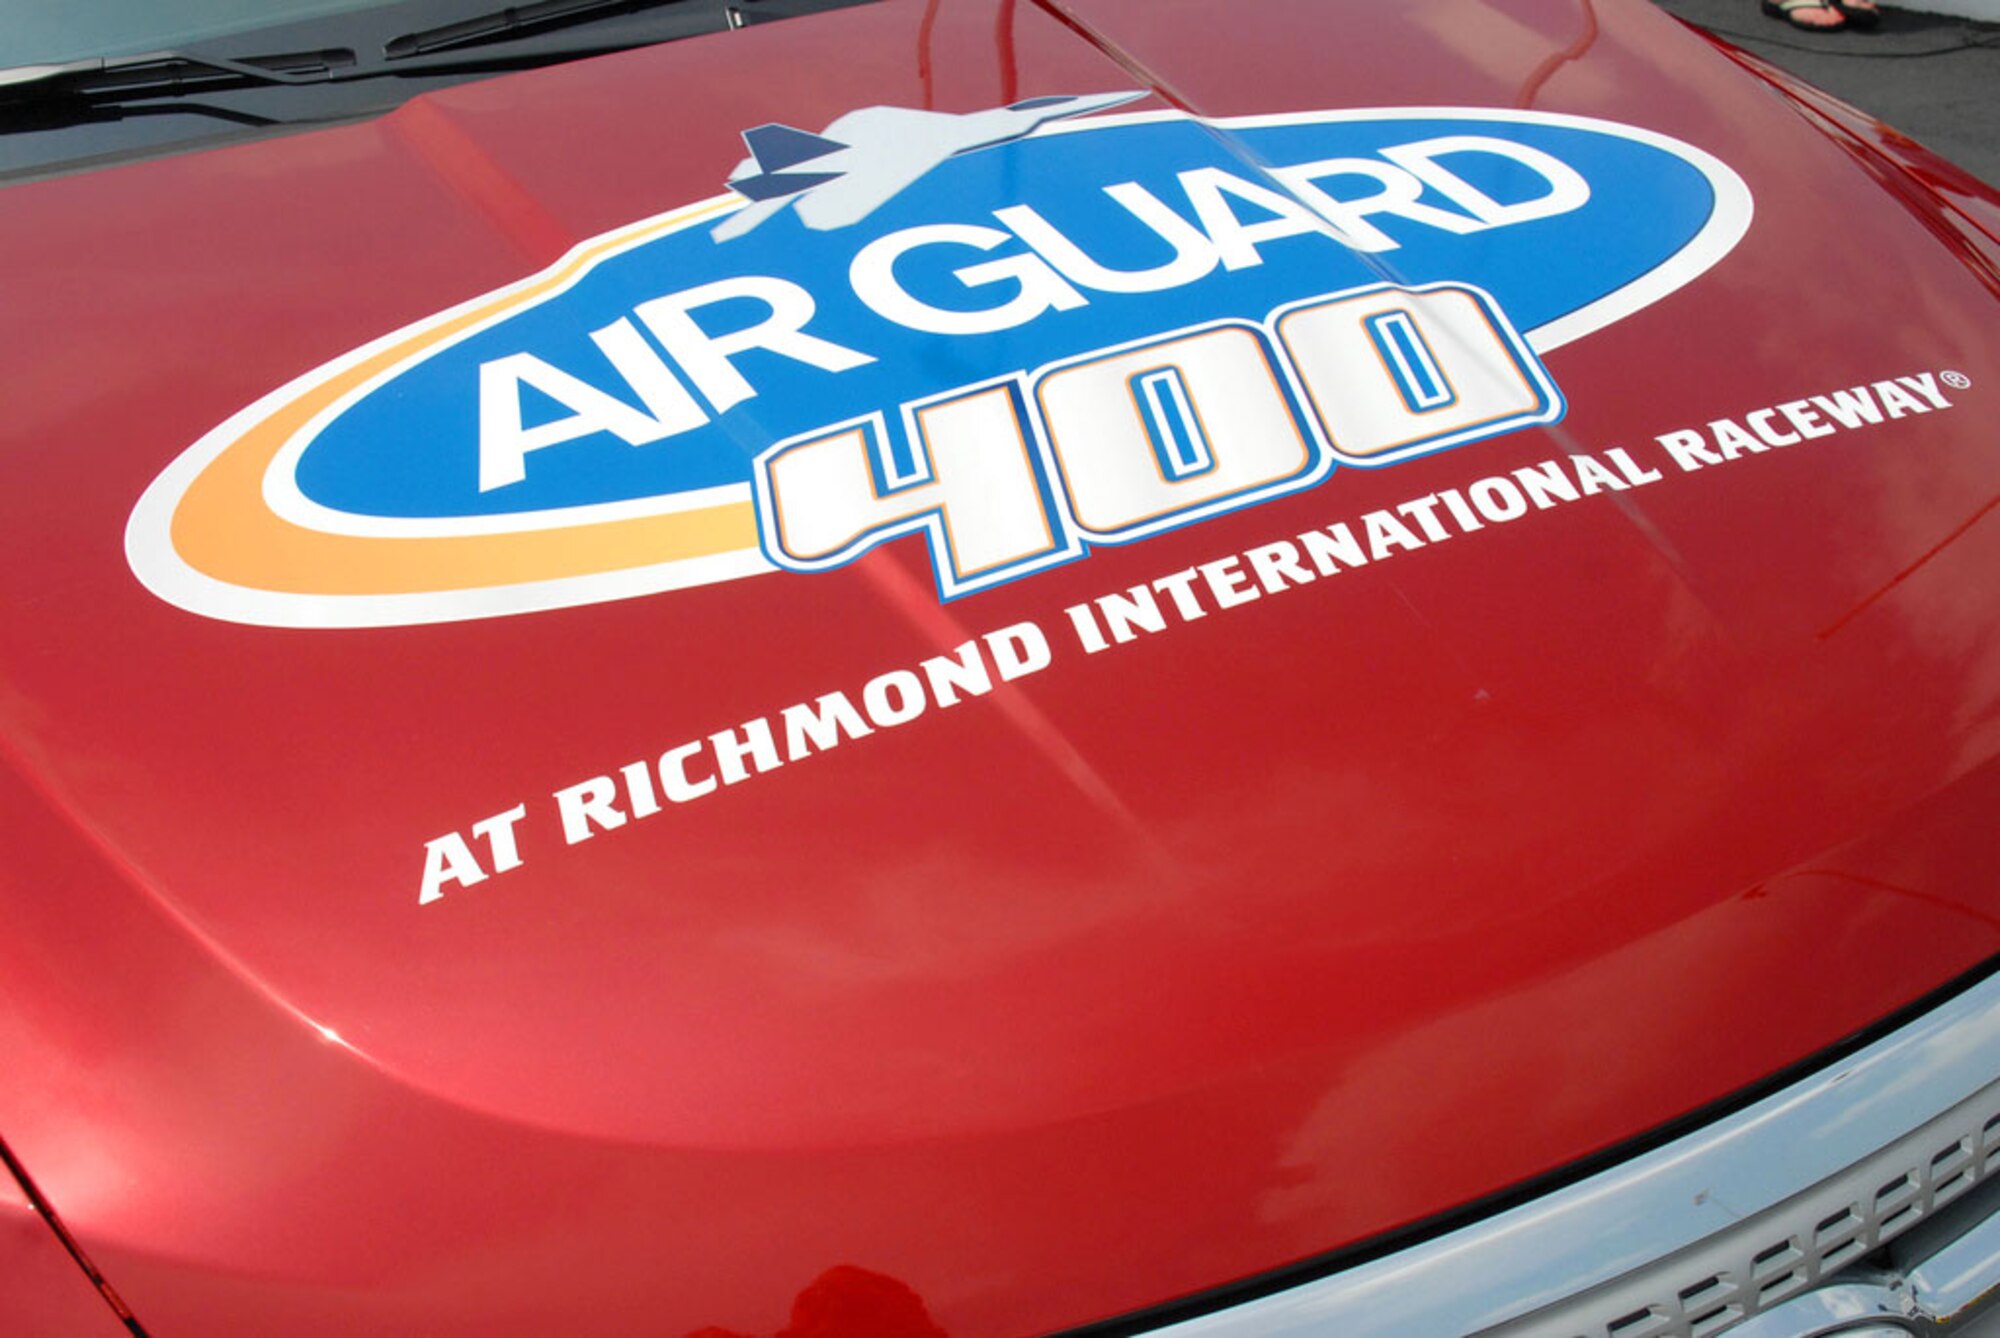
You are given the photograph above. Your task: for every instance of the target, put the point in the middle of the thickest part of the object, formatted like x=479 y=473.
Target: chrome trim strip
x=1636 y=1214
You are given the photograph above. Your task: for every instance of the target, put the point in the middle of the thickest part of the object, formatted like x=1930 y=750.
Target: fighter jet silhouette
x=863 y=159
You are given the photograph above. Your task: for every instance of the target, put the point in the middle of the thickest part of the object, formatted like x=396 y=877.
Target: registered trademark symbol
x=1956 y=380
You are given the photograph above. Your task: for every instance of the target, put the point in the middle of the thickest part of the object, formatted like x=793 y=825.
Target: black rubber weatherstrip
x=48 y=1215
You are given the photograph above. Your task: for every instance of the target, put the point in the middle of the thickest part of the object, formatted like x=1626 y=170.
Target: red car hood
x=1321 y=911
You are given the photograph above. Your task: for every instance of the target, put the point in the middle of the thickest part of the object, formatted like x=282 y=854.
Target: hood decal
x=1035 y=344
x=867 y=157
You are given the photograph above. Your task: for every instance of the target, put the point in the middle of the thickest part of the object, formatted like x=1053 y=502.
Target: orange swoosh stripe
x=223 y=528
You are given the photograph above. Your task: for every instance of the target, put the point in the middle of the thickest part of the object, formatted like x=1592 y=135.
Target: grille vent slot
x=1775 y=1255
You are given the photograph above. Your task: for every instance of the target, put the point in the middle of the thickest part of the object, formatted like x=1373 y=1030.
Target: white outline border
x=148 y=535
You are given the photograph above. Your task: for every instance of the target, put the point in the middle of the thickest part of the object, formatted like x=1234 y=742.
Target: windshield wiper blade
x=168 y=73
x=537 y=33
x=523 y=34
x=518 y=21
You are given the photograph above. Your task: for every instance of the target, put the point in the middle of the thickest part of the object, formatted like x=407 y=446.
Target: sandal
x=1858 y=13
x=1790 y=10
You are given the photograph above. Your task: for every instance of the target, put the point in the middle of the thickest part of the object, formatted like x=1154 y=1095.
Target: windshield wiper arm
x=535 y=33
x=168 y=73
x=513 y=31
x=516 y=21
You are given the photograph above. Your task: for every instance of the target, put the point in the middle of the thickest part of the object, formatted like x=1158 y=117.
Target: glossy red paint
x=1154 y=971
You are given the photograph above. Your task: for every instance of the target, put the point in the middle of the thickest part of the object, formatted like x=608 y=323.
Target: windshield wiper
x=538 y=32
x=167 y=73
x=511 y=39
x=516 y=21
x=325 y=70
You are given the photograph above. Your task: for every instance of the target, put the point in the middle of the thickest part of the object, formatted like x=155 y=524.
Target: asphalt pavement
x=1933 y=77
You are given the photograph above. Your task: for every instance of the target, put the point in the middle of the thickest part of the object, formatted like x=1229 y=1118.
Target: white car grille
x=1867 y=1194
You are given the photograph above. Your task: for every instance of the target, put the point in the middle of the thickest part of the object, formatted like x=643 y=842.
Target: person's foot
x=1819 y=16
x=1858 y=13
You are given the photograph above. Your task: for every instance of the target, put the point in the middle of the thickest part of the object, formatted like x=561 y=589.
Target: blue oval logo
x=1018 y=334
